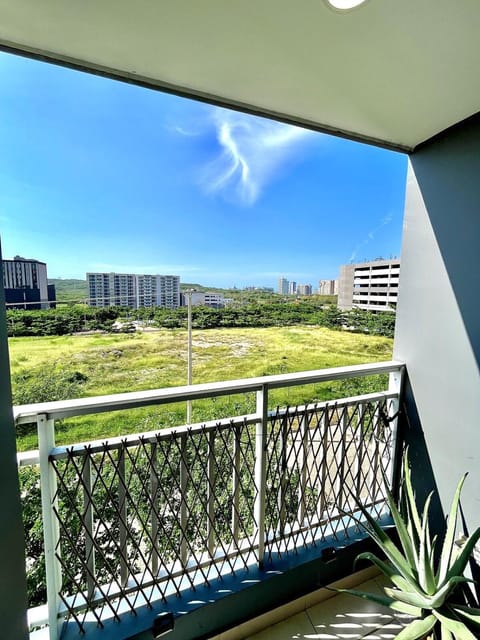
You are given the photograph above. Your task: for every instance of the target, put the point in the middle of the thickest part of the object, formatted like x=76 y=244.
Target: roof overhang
x=391 y=72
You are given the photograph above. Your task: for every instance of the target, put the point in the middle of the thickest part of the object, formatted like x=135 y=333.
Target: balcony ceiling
x=395 y=72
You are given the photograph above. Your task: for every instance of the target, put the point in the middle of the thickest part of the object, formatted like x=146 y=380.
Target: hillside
x=69 y=290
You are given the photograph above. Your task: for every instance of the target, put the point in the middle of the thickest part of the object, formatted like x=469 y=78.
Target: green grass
x=131 y=362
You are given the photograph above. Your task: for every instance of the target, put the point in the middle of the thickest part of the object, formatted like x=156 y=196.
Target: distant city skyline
x=98 y=175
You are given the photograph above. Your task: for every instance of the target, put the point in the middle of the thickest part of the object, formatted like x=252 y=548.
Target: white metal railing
x=132 y=519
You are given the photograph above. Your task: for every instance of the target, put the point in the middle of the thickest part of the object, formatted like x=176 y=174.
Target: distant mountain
x=69 y=289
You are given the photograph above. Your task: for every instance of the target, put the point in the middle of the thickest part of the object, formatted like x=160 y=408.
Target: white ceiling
x=395 y=72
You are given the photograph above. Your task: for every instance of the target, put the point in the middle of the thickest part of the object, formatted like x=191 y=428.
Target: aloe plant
x=423 y=586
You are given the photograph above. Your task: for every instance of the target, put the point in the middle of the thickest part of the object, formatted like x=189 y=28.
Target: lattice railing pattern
x=144 y=517
x=130 y=521
x=319 y=459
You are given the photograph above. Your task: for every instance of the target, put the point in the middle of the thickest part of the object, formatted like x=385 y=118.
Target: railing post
x=51 y=532
x=303 y=468
x=154 y=486
x=88 y=524
x=211 y=493
x=282 y=495
x=183 y=499
x=261 y=469
x=236 y=485
x=395 y=384
x=122 y=517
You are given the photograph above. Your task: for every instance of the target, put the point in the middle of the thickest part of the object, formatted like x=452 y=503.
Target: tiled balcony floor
x=339 y=617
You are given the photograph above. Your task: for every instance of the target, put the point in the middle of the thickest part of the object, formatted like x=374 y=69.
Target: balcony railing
x=129 y=521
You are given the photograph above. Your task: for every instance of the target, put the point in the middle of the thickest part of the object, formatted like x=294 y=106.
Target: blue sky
x=97 y=175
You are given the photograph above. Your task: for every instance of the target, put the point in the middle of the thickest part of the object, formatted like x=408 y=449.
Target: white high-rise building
x=283 y=285
x=328 y=287
x=133 y=290
x=304 y=289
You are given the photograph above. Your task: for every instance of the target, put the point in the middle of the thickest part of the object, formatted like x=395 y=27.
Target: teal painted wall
x=438 y=315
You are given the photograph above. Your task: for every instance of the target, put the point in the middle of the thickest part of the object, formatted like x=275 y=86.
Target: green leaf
x=388 y=570
x=386 y=544
x=426 y=575
x=412 y=505
x=450 y=534
x=404 y=536
x=470 y=613
x=438 y=598
x=392 y=603
x=459 y=630
x=413 y=599
x=458 y=567
x=417 y=629
x=446 y=634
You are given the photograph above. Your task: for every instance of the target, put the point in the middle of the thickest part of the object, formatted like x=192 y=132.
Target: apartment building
x=26 y=285
x=369 y=285
x=304 y=290
x=205 y=299
x=133 y=290
x=328 y=287
x=283 y=286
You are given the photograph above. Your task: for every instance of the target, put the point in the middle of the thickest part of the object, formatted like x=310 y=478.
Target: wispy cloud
x=370 y=236
x=251 y=151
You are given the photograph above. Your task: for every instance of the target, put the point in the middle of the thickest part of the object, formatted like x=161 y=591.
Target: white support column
x=395 y=384
x=189 y=353
x=261 y=470
x=51 y=533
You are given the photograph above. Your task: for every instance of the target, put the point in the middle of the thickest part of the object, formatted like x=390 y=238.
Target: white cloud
x=251 y=152
x=371 y=235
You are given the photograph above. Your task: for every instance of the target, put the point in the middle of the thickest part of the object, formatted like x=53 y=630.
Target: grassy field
x=108 y=363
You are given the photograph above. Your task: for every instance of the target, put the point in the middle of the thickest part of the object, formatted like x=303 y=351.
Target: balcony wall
x=438 y=320
x=13 y=591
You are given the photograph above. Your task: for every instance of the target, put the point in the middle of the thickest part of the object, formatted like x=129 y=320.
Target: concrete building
x=372 y=286
x=133 y=290
x=283 y=286
x=292 y=288
x=304 y=289
x=328 y=287
x=205 y=299
x=26 y=285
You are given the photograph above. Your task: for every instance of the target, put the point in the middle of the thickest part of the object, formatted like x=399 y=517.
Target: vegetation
x=61 y=367
x=424 y=586
x=279 y=313
x=58 y=367
x=69 y=290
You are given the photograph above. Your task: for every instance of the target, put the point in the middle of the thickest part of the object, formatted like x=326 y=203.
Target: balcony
x=169 y=521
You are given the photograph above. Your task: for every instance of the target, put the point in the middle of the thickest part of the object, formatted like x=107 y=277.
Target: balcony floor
x=337 y=617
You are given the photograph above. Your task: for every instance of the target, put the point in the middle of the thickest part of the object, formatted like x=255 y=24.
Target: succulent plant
x=425 y=585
